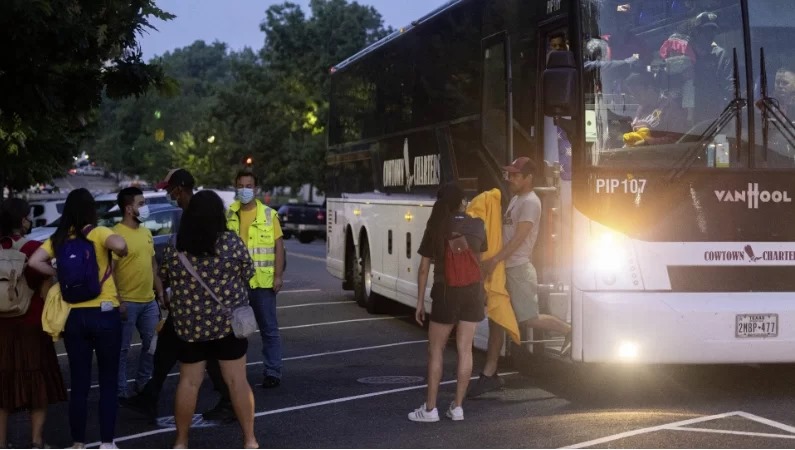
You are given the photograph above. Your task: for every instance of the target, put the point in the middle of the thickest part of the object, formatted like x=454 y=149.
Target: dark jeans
x=263 y=302
x=89 y=331
x=168 y=345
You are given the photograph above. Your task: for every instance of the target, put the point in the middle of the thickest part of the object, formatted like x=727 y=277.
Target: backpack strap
x=108 y=270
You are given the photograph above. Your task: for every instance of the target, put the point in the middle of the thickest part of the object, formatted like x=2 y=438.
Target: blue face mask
x=245 y=195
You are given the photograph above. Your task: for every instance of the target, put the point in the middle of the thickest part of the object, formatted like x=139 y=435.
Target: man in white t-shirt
x=519 y=234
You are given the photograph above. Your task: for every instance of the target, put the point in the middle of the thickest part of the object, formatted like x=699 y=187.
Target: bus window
x=657 y=75
x=495 y=101
x=772 y=30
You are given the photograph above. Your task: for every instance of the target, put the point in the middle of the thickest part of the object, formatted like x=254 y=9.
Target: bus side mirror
x=559 y=84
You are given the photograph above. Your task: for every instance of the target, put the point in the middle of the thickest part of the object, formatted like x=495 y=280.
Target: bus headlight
x=607 y=256
x=628 y=351
x=612 y=260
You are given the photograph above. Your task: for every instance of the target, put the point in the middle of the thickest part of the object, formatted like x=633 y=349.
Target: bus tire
x=363 y=284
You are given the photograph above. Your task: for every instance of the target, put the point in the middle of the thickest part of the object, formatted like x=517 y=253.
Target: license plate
x=756 y=325
x=302 y=227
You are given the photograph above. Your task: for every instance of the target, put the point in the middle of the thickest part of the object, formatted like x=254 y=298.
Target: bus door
x=552 y=251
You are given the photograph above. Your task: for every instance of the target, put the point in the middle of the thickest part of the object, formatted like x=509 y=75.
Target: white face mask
x=143 y=213
x=246 y=195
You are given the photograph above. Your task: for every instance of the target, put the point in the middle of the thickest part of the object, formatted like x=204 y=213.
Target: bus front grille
x=732 y=278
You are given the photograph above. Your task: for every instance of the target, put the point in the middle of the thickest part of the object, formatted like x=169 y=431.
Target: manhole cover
x=197 y=422
x=391 y=380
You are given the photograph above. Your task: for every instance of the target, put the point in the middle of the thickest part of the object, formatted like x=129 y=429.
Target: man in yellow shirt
x=138 y=285
x=258 y=227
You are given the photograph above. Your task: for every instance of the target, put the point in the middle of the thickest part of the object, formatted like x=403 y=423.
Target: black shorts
x=224 y=349
x=453 y=304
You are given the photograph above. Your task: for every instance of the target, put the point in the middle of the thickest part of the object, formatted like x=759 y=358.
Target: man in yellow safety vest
x=258 y=226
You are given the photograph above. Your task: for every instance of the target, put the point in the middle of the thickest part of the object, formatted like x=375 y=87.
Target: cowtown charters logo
x=398 y=172
x=752 y=196
x=747 y=254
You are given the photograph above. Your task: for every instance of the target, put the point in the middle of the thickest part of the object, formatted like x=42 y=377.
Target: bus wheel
x=363 y=284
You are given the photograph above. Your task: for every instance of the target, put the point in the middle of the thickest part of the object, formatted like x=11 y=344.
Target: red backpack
x=461 y=267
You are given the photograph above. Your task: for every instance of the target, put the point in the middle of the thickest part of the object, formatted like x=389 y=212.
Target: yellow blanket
x=56 y=311
x=486 y=206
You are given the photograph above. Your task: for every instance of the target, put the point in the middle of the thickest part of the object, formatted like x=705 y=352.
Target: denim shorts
x=522 y=285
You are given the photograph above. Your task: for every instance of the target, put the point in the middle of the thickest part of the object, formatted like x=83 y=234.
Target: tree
x=57 y=57
x=136 y=135
x=278 y=106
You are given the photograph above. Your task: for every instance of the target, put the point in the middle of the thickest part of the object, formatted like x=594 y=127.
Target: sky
x=236 y=22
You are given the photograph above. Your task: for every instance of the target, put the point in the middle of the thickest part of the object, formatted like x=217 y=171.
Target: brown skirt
x=30 y=376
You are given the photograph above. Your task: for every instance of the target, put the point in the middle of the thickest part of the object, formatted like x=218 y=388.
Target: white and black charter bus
x=666 y=158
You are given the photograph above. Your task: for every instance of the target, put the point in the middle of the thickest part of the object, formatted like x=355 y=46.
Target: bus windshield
x=659 y=75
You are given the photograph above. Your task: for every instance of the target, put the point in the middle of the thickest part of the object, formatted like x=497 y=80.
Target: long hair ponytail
x=78 y=211
x=448 y=202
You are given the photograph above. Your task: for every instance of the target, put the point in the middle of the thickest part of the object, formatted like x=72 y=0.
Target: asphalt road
x=350 y=378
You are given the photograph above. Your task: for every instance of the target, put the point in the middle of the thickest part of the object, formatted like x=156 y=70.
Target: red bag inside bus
x=461 y=268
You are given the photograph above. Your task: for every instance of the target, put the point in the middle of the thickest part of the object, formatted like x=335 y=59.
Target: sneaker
x=421 y=414
x=141 y=404
x=108 y=445
x=565 y=349
x=78 y=445
x=271 y=382
x=455 y=412
x=485 y=384
x=222 y=412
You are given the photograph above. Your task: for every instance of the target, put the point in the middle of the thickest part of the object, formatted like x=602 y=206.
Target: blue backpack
x=78 y=270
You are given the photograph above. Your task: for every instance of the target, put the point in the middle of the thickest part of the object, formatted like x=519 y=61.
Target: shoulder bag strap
x=189 y=267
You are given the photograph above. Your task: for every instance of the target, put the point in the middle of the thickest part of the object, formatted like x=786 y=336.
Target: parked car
x=151 y=197
x=306 y=221
x=163 y=222
x=46 y=212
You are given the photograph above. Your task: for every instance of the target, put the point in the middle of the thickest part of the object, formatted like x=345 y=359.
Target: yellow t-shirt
x=98 y=236
x=134 y=277
x=246 y=219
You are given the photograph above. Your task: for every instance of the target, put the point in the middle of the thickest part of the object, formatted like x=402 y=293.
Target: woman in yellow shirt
x=93 y=325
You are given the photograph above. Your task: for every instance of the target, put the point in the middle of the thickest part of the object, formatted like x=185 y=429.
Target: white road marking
x=298 y=291
x=740 y=433
x=301 y=255
x=309 y=325
x=314 y=355
x=315 y=304
x=768 y=422
x=138 y=344
x=341 y=321
x=298 y=407
x=681 y=426
x=666 y=426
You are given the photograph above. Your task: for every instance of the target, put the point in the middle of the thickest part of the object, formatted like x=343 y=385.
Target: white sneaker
x=108 y=445
x=421 y=414
x=77 y=445
x=455 y=412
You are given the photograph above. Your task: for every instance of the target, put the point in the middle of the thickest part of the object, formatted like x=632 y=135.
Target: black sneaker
x=141 y=404
x=485 y=384
x=222 y=412
x=271 y=382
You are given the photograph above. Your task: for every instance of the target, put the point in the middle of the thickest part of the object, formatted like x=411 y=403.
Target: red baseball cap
x=522 y=164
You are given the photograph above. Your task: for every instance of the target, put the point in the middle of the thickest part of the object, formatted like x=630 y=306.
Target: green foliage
x=57 y=57
x=219 y=107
